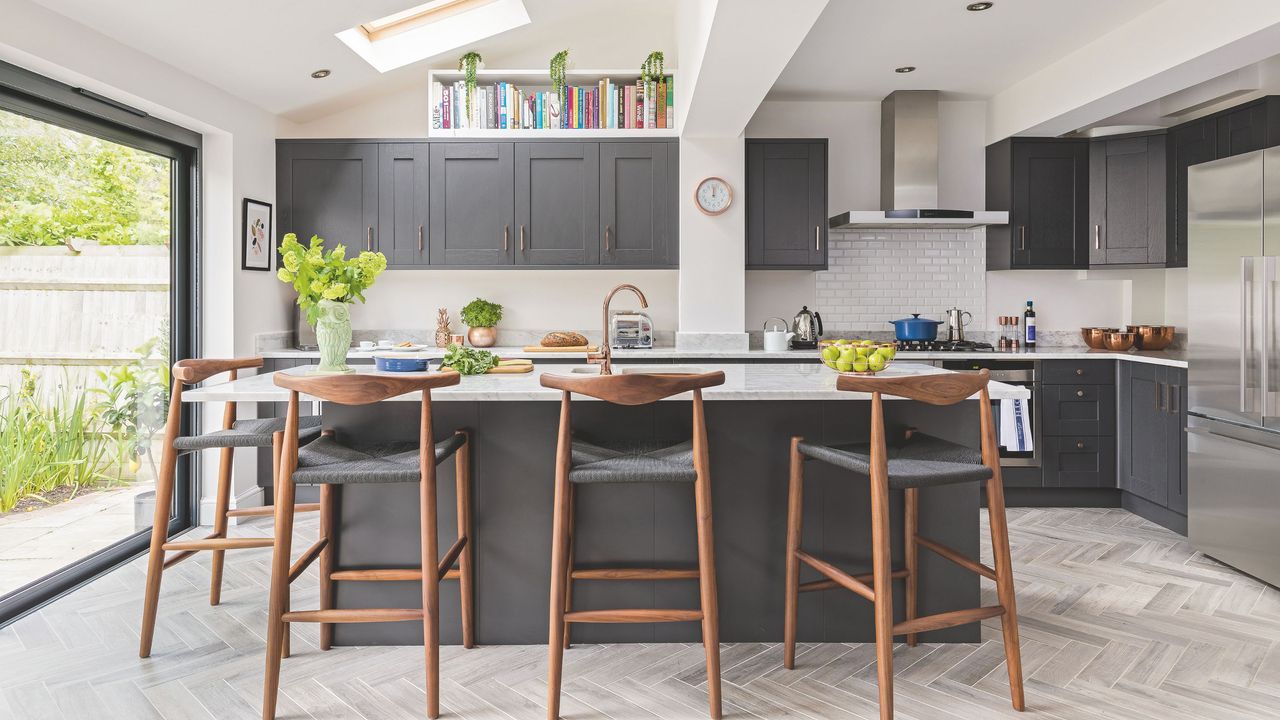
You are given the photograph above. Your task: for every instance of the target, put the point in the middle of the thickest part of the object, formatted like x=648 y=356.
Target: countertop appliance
x=631 y=329
x=944 y=346
x=1233 y=443
x=1025 y=373
x=807 y=328
x=956 y=322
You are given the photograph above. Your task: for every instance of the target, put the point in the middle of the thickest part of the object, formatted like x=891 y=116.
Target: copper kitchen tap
x=604 y=358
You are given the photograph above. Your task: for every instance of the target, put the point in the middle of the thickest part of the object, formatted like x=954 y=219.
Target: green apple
x=875 y=362
x=863 y=350
x=830 y=353
x=868 y=342
x=888 y=351
x=861 y=364
x=842 y=341
x=847 y=354
x=844 y=365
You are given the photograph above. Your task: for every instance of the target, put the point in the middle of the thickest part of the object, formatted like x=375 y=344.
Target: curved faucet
x=604 y=358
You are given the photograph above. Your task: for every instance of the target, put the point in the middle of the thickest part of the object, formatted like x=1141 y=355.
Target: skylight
x=431 y=28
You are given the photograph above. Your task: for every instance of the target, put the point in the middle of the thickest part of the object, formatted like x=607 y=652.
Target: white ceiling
x=265 y=50
x=851 y=52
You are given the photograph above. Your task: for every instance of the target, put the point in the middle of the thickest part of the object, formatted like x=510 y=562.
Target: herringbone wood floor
x=1120 y=619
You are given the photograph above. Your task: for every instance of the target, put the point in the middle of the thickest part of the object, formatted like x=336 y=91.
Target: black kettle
x=807 y=327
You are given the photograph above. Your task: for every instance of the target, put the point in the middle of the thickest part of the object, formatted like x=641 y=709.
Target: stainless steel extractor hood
x=909 y=171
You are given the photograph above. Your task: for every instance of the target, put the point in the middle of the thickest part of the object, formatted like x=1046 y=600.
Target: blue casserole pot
x=915 y=328
x=385 y=363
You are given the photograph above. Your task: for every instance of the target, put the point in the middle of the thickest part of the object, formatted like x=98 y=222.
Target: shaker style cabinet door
x=1187 y=144
x=1127 y=201
x=472 y=207
x=1050 y=204
x=557 y=195
x=787 y=204
x=403 y=171
x=1143 y=436
x=637 y=218
x=330 y=190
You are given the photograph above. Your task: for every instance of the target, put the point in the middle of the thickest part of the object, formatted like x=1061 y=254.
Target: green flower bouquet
x=326 y=282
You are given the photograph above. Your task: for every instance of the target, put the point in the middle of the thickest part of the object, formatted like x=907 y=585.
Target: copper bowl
x=1155 y=337
x=1093 y=336
x=1119 y=341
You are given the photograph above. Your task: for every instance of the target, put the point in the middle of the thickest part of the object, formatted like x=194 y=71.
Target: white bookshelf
x=539 y=81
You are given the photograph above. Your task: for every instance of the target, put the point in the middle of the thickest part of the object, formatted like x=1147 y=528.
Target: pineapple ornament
x=442 y=327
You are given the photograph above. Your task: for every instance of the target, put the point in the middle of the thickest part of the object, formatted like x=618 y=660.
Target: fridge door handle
x=1246 y=333
x=1268 y=332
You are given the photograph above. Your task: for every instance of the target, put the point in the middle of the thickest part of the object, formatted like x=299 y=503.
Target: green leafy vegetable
x=469 y=361
x=481 y=313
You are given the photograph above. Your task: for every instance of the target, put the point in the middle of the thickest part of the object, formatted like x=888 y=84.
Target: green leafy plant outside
x=468 y=64
x=317 y=275
x=481 y=313
x=135 y=401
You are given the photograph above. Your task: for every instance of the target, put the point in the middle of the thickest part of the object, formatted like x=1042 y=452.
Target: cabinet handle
x=419 y=238
x=369 y=242
x=1080 y=371
x=521 y=237
x=1159 y=396
x=817 y=237
x=1080 y=445
x=606 y=238
x=1097 y=237
x=1079 y=393
x=506 y=237
x=1022 y=237
x=1168 y=398
x=1175 y=398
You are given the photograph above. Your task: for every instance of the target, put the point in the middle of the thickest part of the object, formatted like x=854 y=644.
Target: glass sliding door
x=96 y=256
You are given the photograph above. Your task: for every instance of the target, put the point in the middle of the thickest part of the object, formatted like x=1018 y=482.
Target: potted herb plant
x=327 y=283
x=480 y=317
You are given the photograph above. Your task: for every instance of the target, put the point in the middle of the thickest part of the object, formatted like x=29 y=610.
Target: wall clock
x=713 y=196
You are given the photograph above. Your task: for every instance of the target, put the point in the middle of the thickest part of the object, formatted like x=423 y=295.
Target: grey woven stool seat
x=248 y=433
x=631 y=462
x=920 y=461
x=329 y=462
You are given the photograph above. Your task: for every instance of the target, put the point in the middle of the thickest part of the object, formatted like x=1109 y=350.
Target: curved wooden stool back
x=934 y=389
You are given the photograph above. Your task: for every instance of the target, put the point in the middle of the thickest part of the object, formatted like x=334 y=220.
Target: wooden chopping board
x=511 y=367
x=569 y=349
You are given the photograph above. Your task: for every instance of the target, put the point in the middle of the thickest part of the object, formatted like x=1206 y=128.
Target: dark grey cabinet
x=557 y=196
x=1187 y=144
x=1127 y=201
x=1176 y=437
x=1146 y=425
x=1044 y=185
x=403 y=198
x=637 y=204
x=1084 y=461
x=786 y=193
x=472 y=203
x=328 y=189
x=1078 y=423
x=1078 y=410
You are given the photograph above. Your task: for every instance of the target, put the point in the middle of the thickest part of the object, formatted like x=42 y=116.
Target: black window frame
x=41 y=98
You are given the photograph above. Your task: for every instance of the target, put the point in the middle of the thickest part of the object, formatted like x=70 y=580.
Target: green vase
x=333 y=335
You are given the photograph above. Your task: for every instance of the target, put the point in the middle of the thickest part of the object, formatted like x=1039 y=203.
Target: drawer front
x=1068 y=410
x=1090 y=372
x=1080 y=462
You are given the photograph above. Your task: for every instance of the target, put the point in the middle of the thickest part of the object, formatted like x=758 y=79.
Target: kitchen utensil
x=511 y=367
x=401 y=362
x=407 y=348
x=776 y=340
x=574 y=349
x=1119 y=341
x=366 y=345
x=1155 y=337
x=806 y=328
x=956 y=320
x=859 y=348
x=915 y=328
x=631 y=329
x=1093 y=336
x=385 y=344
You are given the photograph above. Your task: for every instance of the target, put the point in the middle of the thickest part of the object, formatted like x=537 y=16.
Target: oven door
x=1012 y=372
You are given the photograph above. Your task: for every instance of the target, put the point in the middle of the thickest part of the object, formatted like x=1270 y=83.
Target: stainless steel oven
x=1013 y=372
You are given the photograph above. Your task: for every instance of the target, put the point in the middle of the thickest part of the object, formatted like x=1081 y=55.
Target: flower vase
x=333 y=335
x=482 y=337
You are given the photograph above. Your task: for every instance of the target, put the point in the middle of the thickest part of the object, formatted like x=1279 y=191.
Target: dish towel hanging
x=1015 y=426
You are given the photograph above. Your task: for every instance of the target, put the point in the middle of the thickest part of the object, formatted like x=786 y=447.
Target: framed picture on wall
x=256 y=243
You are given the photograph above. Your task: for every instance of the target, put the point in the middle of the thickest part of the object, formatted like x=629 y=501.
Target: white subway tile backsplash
x=875 y=277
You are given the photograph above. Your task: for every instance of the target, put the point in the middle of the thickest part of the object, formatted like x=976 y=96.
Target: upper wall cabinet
x=557 y=203
x=472 y=203
x=1127 y=201
x=637 y=204
x=787 y=204
x=403 y=203
x=1044 y=185
x=330 y=190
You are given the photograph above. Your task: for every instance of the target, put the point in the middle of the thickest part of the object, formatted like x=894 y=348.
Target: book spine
x=638 y=110
x=661 y=111
x=671 y=103
x=502 y=106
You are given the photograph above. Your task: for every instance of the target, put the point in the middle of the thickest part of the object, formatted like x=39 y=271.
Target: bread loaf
x=563 y=339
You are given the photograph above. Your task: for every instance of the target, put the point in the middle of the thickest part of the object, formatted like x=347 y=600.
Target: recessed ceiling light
x=978 y=6
x=320 y=74
x=905 y=69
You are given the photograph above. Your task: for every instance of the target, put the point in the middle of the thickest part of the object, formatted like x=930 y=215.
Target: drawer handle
x=1080 y=445
x=1080 y=371
x=1080 y=393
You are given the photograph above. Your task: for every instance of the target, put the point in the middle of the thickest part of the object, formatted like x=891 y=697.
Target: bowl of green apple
x=859 y=357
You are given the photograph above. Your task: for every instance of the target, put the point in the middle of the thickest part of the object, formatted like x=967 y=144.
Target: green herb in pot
x=469 y=361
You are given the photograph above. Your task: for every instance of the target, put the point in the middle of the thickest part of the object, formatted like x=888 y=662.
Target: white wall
x=1068 y=300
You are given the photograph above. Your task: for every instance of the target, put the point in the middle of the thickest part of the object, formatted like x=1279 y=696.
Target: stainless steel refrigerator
x=1233 y=502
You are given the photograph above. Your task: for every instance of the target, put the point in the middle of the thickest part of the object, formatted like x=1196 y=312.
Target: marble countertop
x=762 y=381
x=1174 y=358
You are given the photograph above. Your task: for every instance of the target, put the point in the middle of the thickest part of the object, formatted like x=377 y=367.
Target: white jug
x=776 y=340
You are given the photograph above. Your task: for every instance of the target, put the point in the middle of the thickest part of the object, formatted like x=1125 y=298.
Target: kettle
x=807 y=328
x=956 y=320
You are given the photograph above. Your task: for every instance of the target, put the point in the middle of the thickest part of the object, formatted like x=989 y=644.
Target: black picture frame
x=268 y=238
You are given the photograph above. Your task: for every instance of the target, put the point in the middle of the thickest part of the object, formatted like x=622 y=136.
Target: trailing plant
x=468 y=64
x=317 y=275
x=559 y=62
x=651 y=68
x=481 y=313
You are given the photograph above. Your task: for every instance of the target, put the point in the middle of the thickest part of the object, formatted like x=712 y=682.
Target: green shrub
x=481 y=313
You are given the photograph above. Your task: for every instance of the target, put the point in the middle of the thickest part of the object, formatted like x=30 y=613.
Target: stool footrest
x=354 y=615
x=388 y=575
x=947 y=619
x=864 y=578
x=635 y=574
x=219 y=543
x=941 y=550
x=646 y=615
x=271 y=509
x=840 y=577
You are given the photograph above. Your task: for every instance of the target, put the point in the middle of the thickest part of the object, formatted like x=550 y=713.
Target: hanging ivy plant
x=468 y=64
x=558 y=63
x=651 y=68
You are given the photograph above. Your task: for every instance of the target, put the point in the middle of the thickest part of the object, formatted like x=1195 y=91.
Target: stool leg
x=795 y=518
x=466 y=562
x=706 y=557
x=430 y=587
x=568 y=579
x=328 y=522
x=277 y=456
x=911 y=551
x=160 y=521
x=221 y=505
x=881 y=561
x=559 y=564
x=1004 y=588
x=278 y=598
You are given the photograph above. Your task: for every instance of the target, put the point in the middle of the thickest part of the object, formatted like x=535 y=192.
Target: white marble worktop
x=1173 y=358
x=762 y=381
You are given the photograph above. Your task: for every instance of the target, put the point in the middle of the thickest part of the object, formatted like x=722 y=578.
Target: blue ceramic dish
x=401 y=364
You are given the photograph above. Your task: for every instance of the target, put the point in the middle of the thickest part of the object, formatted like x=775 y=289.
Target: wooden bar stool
x=233 y=434
x=581 y=462
x=329 y=464
x=920 y=461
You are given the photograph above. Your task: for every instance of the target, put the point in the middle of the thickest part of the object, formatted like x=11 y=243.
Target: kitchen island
x=750 y=421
